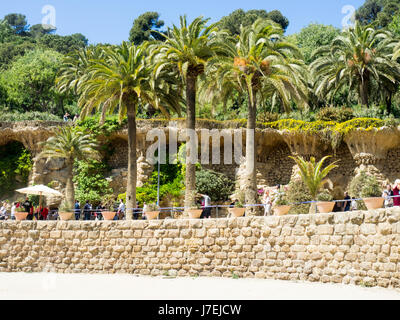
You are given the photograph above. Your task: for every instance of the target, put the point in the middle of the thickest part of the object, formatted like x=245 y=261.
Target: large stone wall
x=355 y=247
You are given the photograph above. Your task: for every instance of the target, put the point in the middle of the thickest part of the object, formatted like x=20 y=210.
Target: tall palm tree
x=357 y=57
x=186 y=51
x=70 y=144
x=118 y=81
x=312 y=173
x=259 y=64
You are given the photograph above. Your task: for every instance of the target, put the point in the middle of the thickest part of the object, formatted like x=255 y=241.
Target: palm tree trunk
x=251 y=178
x=190 y=179
x=364 y=92
x=70 y=190
x=388 y=101
x=132 y=165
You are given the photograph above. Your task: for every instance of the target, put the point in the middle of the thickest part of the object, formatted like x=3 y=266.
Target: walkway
x=99 y=286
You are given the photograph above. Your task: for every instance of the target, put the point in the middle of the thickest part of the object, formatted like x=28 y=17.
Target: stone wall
x=350 y=248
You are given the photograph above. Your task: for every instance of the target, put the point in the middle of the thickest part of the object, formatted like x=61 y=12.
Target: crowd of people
x=391 y=197
x=86 y=211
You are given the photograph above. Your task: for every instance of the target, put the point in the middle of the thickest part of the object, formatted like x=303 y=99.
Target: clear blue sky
x=109 y=21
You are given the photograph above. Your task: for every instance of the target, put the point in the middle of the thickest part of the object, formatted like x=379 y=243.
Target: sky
x=109 y=21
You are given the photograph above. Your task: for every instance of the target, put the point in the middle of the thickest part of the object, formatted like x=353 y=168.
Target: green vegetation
x=217 y=185
x=365 y=186
x=15 y=166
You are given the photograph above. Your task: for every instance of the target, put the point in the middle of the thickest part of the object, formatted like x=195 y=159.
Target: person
x=354 y=205
x=145 y=209
x=136 y=211
x=347 y=204
x=267 y=203
x=99 y=209
x=87 y=210
x=3 y=212
x=206 y=204
x=396 y=194
x=43 y=213
x=388 y=195
x=121 y=210
x=75 y=118
x=66 y=117
x=77 y=210
x=28 y=208
x=13 y=209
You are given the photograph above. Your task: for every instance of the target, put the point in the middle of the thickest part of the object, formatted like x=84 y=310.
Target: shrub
x=365 y=186
x=298 y=192
x=335 y=114
x=325 y=196
x=28 y=116
x=267 y=117
x=371 y=112
x=216 y=185
x=298 y=115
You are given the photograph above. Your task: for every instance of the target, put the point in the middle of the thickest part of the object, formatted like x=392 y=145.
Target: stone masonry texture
x=350 y=248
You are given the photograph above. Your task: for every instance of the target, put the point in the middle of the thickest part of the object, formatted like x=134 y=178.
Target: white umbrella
x=40 y=190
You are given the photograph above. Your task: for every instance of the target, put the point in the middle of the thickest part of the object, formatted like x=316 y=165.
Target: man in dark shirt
x=347 y=204
x=27 y=206
x=87 y=210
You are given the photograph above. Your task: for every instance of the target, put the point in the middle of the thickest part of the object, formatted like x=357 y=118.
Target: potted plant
x=367 y=187
x=325 y=204
x=65 y=212
x=151 y=211
x=195 y=212
x=20 y=213
x=238 y=210
x=108 y=215
x=281 y=204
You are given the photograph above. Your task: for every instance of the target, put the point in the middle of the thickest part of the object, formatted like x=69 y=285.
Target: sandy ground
x=97 y=286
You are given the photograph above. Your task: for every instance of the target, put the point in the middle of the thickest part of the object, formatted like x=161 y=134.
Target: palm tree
x=312 y=173
x=119 y=80
x=70 y=144
x=259 y=64
x=186 y=51
x=357 y=57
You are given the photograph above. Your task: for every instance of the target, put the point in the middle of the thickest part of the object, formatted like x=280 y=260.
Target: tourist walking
x=121 y=210
x=388 y=196
x=136 y=211
x=396 y=194
x=87 y=210
x=13 y=210
x=354 y=205
x=77 y=210
x=267 y=203
x=66 y=117
x=99 y=211
x=3 y=211
x=206 y=204
x=28 y=208
x=347 y=204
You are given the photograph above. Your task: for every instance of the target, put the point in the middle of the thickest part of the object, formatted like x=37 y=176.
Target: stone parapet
x=350 y=248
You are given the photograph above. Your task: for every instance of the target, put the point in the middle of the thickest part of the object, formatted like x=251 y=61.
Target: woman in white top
x=3 y=211
x=267 y=203
x=13 y=209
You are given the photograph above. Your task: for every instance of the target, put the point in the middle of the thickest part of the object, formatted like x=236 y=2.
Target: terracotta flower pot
x=19 y=216
x=237 y=212
x=195 y=213
x=374 y=203
x=109 y=215
x=65 y=215
x=325 y=207
x=282 y=210
x=151 y=215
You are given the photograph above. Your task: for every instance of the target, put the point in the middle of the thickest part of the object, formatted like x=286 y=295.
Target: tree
x=260 y=65
x=312 y=173
x=379 y=12
x=119 y=80
x=186 y=51
x=63 y=44
x=6 y=31
x=18 y=22
x=356 y=58
x=312 y=38
x=37 y=31
x=239 y=17
x=29 y=82
x=70 y=144
x=146 y=27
